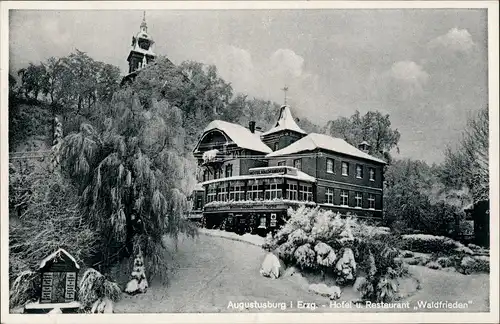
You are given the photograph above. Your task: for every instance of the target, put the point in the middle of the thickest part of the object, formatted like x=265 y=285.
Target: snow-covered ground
x=248 y=238
x=209 y=272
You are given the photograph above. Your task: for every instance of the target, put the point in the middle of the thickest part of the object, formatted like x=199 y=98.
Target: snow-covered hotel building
x=250 y=178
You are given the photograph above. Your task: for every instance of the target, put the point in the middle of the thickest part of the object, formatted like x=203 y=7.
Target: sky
x=426 y=68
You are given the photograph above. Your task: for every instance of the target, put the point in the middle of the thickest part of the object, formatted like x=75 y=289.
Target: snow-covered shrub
x=425 y=243
x=445 y=262
x=305 y=257
x=138 y=282
x=325 y=255
x=382 y=271
x=97 y=293
x=346 y=267
x=327 y=225
x=482 y=263
x=298 y=237
x=418 y=260
x=433 y=265
x=269 y=243
x=302 y=218
x=25 y=288
x=333 y=292
x=467 y=265
x=462 y=249
x=346 y=237
x=272 y=267
x=475 y=264
x=407 y=254
x=286 y=251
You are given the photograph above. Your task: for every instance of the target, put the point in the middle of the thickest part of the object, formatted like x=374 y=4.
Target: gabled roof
x=285 y=122
x=54 y=255
x=240 y=135
x=319 y=141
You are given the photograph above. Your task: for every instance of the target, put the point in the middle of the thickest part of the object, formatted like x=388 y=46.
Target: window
x=211 y=193
x=345 y=168
x=253 y=192
x=329 y=196
x=297 y=164
x=359 y=171
x=329 y=165
x=344 y=198
x=222 y=194
x=359 y=200
x=281 y=163
x=372 y=174
x=236 y=192
x=291 y=191
x=198 y=203
x=262 y=222
x=276 y=146
x=305 y=193
x=229 y=170
x=205 y=175
x=274 y=192
x=371 y=201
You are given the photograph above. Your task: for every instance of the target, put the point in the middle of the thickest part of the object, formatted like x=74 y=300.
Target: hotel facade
x=250 y=178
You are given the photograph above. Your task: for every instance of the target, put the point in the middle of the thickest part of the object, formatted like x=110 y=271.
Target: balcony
x=251 y=205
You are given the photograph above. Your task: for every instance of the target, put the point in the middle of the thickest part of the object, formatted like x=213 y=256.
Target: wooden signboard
x=59 y=277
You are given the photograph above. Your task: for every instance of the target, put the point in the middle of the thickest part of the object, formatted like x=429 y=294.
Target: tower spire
x=144 y=26
x=285 y=90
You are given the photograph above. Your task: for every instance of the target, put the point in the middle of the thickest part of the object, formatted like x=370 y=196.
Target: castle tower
x=285 y=131
x=141 y=53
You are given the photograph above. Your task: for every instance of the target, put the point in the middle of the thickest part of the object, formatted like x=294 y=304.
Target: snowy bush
x=269 y=243
x=298 y=237
x=433 y=265
x=333 y=292
x=382 y=271
x=482 y=263
x=25 y=288
x=326 y=226
x=476 y=264
x=346 y=267
x=315 y=239
x=407 y=254
x=286 y=251
x=97 y=293
x=305 y=257
x=425 y=243
x=272 y=267
x=325 y=255
x=445 y=262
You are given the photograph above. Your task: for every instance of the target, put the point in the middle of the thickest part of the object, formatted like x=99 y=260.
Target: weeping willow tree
x=134 y=177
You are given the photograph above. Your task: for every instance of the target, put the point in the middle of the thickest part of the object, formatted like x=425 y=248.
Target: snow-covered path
x=209 y=272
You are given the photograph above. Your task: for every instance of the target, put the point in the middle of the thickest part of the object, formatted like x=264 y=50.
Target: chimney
x=365 y=147
x=251 y=126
